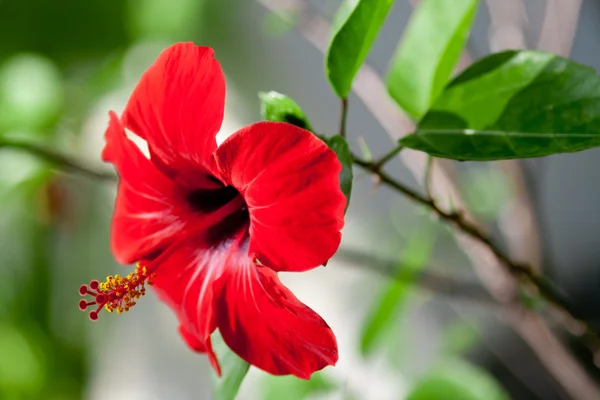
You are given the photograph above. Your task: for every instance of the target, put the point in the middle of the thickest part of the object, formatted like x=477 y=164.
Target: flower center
x=117 y=293
x=225 y=211
x=207 y=200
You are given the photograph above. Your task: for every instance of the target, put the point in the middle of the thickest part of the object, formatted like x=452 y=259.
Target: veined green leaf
x=428 y=52
x=514 y=104
x=281 y=108
x=396 y=295
x=355 y=28
x=233 y=370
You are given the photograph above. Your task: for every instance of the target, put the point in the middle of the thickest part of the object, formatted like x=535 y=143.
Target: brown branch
x=58 y=160
x=520 y=271
x=437 y=283
x=387 y=157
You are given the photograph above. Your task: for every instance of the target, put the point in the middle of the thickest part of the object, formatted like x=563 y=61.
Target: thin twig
x=426 y=279
x=427 y=181
x=344 y=115
x=521 y=271
x=58 y=160
x=387 y=157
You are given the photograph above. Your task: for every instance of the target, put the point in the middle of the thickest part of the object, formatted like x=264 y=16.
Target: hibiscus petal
x=289 y=179
x=201 y=347
x=266 y=325
x=144 y=218
x=184 y=280
x=178 y=108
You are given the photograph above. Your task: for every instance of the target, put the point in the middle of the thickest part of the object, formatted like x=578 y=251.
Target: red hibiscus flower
x=210 y=226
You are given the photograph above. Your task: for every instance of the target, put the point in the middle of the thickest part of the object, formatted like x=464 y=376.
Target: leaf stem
x=57 y=159
x=344 y=117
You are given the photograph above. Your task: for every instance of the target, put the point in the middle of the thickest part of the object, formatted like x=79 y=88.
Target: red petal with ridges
x=144 y=218
x=178 y=108
x=289 y=179
x=184 y=280
x=266 y=325
x=193 y=342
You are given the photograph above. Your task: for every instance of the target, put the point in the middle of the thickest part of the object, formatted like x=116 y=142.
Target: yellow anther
x=120 y=292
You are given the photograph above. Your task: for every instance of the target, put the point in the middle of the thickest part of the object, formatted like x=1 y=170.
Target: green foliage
x=233 y=370
x=355 y=28
x=487 y=190
x=397 y=294
x=428 y=52
x=281 y=108
x=339 y=145
x=175 y=19
x=455 y=380
x=292 y=388
x=21 y=366
x=459 y=336
x=280 y=23
x=514 y=104
x=70 y=33
x=31 y=93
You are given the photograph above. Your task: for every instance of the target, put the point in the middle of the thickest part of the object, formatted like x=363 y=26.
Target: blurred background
x=411 y=316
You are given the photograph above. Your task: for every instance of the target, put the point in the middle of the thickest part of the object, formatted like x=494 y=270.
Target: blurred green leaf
x=514 y=104
x=281 y=108
x=365 y=151
x=487 y=190
x=355 y=28
x=21 y=367
x=70 y=32
x=414 y=258
x=280 y=23
x=530 y=300
x=173 y=19
x=457 y=380
x=460 y=336
x=233 y=369
x=31 y=92
x=428 y=52
x=339 y=145
x=292 y=388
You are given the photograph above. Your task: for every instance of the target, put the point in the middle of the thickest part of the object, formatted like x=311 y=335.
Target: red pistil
x=118 y=293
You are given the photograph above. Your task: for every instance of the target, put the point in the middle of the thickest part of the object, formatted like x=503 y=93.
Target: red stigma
x=116 y=293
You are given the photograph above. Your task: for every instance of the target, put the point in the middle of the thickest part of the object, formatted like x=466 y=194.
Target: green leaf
x=339 y=145
x=233 y=369
x=396 y=296
x=487 y=190
x=514 y=104
x=280 y=23
x=428 y=52
x=31 y=93
x=355 y=28
x=280 y=108
x=21 y=365
x=457 y=379
x=460 y=336
x=292 y=388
